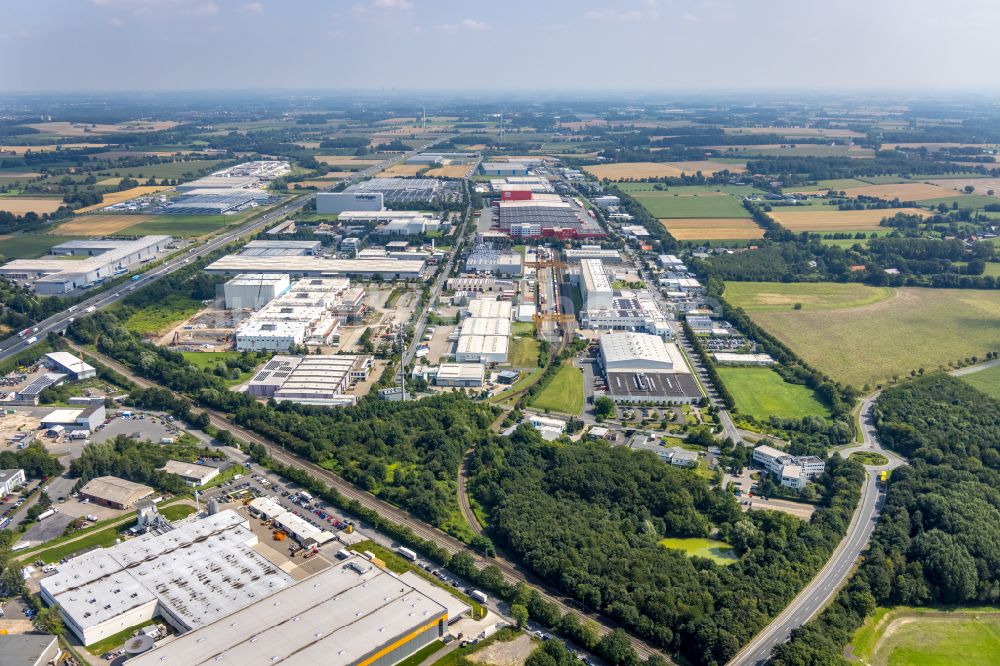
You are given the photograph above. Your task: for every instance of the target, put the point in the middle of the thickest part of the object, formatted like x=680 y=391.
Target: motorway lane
x=15 y=344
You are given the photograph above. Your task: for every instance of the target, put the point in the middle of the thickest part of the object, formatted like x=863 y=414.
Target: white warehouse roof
x=638 y=351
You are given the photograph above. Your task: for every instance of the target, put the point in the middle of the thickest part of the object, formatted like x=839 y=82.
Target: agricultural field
x=987 y=381
x=814 y=219
x=185 y=226
x=402 y=170
x=762 y=393
x=833 y=133
x=22 y=205
x=450 y=171
x=29 y=246
x=795 y=150
x=929 y=637
x=626 y=170
x=563 y=394
x=123 y=195
x=982 y=185
x=166 y=170
x=713 y=229
x=709 y=204
x=48 y=148
x=719 y=552
x=974 y=201
x=70 y=129
x=901 y=191
x=866 y=335
x=836 y=184
x=100 y=225
x=345 y=160
x=656 y=189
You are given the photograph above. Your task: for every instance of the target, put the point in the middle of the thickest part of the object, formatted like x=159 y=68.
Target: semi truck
x=45 y=514
x=479 y=596
x=407 y=553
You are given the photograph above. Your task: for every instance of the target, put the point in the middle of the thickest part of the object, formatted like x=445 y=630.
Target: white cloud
x=393 y=4
x=613 y=15
x=207 y=9
x=464 y=24
x=251 y=8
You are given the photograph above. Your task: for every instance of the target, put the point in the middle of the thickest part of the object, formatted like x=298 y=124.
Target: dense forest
x=938 y=541
x=588 y=518
x=33 y=459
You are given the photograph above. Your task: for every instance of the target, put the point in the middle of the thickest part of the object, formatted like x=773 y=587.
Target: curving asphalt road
x=815 y=596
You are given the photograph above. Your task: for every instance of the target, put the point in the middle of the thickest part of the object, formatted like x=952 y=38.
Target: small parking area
x=153 y=428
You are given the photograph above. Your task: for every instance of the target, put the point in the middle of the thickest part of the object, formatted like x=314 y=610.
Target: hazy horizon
x=638 y=47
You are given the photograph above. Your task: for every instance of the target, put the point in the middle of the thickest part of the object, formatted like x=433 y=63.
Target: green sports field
x=670 y=204
x=987 y=381
x=867 y=335
x=928 y=637
x=762 y=393
x=563 y=394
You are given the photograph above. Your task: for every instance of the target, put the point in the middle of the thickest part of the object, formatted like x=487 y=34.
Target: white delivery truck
x=407 y=553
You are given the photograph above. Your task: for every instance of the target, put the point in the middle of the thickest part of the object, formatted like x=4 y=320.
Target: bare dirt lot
x=22 y=205
x=511 y=653
x=99 y=225
x=813 y=219
x=712 y=229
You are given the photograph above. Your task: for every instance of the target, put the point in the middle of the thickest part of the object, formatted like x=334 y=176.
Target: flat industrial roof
x=653 y=384
x=199 y=571
x=312 y=264
x=486 y=307
x=189 y=470
x=69 y=362
x=482 y=344
x=486 y=326
x=337 y=617
x=455 y=371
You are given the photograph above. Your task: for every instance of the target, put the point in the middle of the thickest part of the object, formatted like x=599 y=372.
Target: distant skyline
x=588 y=45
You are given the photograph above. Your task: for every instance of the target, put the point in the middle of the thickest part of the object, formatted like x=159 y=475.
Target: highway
x=818 y=593
x=58 y=322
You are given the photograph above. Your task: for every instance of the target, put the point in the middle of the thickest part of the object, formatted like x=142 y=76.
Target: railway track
x=512 y=573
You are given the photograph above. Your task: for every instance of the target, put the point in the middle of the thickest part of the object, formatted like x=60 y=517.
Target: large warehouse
x=409 y=190
x=481 y=349
x=114 y=492
x=254 y=290
x=595 y=285
x=66 y=363
x=191 y=575
x=337 y=202
x=387 y=269
x=486 y=259
x=351 y=614
x=104 y=258
x=313 y=380
x=282 y=248
x=642 y=368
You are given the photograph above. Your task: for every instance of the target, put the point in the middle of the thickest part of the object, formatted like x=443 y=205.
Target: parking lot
x=151 y=427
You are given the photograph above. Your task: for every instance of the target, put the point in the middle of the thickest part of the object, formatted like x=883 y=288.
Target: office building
x=102 y=259
x=191 y=575
x=791 y=471
x=70 y=365
x=11 y=480
x=350 y=614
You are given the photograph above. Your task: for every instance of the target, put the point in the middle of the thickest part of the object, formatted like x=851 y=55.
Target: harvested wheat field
x=308 y=145
x=935 y=145
x=811 y=219
x=982 y=185
x=624 y=170
x=402 y=170
x=321 y=184
x=99 y=225
x=48 y=148
x=901 y=191
x=22 y=205
x=124 y=195
x=344 y=160
x=84 y=129
x=450 y=171
x=712 y=229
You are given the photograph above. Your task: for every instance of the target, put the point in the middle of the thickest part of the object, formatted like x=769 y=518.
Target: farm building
x=113 y=492
x=352 y=614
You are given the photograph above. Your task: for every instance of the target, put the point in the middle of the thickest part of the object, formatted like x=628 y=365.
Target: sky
x=470 y=45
